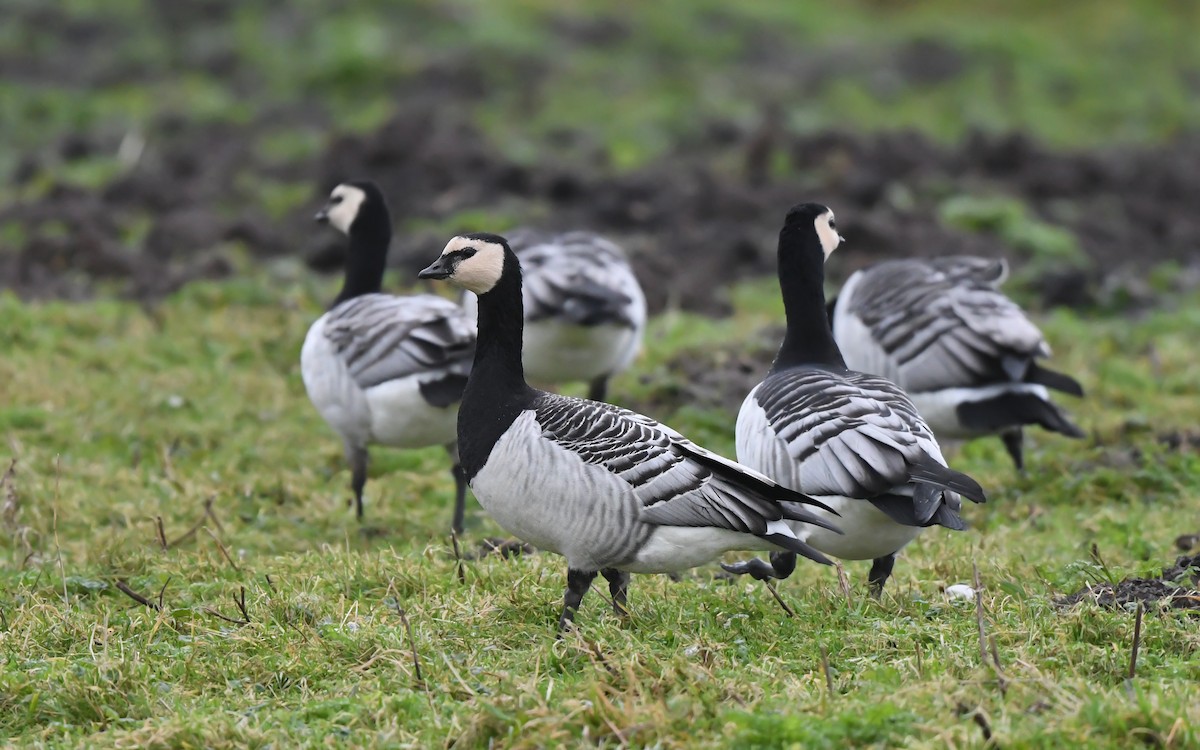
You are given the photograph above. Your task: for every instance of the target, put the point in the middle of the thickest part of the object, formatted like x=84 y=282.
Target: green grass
x=116 y=417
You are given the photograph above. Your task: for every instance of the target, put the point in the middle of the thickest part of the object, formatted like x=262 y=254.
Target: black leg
x=781 y=566
x=598 y=388
x=578 y=583
x=881 y=570
x=618 y=588
x=460 y=490
x=358 y=476
x=1013 y=440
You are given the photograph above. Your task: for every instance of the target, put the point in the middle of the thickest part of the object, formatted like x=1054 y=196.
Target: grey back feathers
x=848 y=434
x=580 y=277
x=932 y=324
x=380 y=337
x=966 y=353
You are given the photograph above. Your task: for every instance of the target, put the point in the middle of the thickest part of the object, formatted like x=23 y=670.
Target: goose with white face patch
x=853 y=441
x=611 y=490
x=382 y=369
x=585 y=311
x=964 y=352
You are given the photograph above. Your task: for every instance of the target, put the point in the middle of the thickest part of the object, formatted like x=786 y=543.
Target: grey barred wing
x=580 y=277
x=381 y=337
x=851 y=434
x=943 y=323
x=676 y=482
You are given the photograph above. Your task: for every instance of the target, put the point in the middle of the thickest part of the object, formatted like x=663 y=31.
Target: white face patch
x=343 y=206
x=827 y=231
x=481 y=270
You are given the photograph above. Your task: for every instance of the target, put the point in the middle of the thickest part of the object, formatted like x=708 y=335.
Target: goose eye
x=335 y=199
x=832 y=224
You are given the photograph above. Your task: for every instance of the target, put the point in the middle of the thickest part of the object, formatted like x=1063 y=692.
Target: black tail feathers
x=1010 y=410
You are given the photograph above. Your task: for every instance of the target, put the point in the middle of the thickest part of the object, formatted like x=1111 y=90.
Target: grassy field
x=180 y=567
x=364 y=636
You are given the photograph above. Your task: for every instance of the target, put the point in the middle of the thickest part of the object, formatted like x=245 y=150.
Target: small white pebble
x=961 y=591
x=175 y=401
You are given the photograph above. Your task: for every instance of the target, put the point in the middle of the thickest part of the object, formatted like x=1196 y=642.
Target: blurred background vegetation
x=161 y=142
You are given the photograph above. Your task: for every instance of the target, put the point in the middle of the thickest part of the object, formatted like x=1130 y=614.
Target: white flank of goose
x=381 y=369
x=584 y=309
x=854 y=441
x=609 y=489
x=964 y=352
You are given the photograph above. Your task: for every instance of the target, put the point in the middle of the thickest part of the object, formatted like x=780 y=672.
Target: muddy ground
x=1175 y=588
x=693 y=221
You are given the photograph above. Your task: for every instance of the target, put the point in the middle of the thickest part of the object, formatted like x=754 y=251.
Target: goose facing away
x=611 y=490
x=382 y=369
x=966 y=354
x=585 y=311
x=854 y=441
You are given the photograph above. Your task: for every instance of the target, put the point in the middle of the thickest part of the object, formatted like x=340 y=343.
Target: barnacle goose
x=963 y=351
x=611 y=490
x=584 y=309
x=382 y=369
x=853 y=441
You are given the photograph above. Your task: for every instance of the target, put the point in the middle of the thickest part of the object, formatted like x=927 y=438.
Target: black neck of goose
x=809 y=340
x=366 y=259
x=497 y=373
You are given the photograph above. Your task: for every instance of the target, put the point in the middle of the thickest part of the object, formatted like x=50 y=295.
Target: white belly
x=676 y=548
x=559 y=352
x=402 y=418
x=869 y=532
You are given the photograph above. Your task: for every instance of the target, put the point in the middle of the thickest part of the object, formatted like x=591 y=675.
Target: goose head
x=474 y=262
x=354 y=205
x=818 y=218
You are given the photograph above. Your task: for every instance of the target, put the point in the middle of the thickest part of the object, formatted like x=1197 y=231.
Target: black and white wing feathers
x=580 y=277
x=380 y=337
x=857 y=436
x=677 y=482
x=940 y=323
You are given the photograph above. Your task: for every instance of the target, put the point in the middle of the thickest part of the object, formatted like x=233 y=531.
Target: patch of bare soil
x=710 y=378
x=702 y=216
x=1176 y=589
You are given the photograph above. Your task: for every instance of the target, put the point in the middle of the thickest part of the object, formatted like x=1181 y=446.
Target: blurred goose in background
x=851 y=440
x=611 y=490
x=382 y=369
x=964 y=352
x=584 y=309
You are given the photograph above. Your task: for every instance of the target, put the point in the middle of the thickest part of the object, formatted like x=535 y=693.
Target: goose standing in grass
x=964 y=352
x=584 y=309
x=382 y=369
x=851 y=440
x=611 y=490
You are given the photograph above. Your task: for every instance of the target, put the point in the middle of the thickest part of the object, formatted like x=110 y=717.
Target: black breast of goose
x=382 y=369
x=965 y=353
x=611 y=490
x=853 y=441
x=585 y=311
